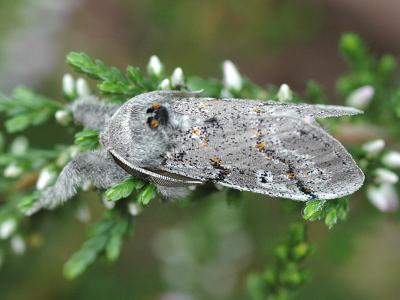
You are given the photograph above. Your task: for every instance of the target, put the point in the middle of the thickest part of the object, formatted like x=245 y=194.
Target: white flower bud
x=225 y=93
x=385 y=176
x=232 y=78
x=73 y=151
x=383 y=197
x=68 y=85
x=82 y=87
x=108 y=204
x=63 y=117
x=165 y=85
x=83 y=214
x=134 y=208
x=361 y=97
x=87 y=186
x=285 y=94
x=47 y=176
x=12 y=171
x=18 y=245
x=155 y=66
x=192 y=187
x=19 y=145
x=177 y=78
x=392 y=159
x=372 y=148
x=7 y=228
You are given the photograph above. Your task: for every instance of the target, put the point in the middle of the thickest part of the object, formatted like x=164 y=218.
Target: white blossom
x=7 y=228
x=232 y=78
x=134 y=208
x=68 y=85
x=176 y=295
x=385 y=176
x=83 y=214
x=12 y=171
x=225 y=93
x=87 y=185
x=155 y=67
x=46 y=177
x=372 y=148
x=361 y=97
x=392 y=159
x=18 y=245
x=74 y=151
x=19 y=145
x=82 y=87
x=63 y=117
x=108 y=204
x=285 y=94
x=165 y=85
x=383 y=197
x=177 y=78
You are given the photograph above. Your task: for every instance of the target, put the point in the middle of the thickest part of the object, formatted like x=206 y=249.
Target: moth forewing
x=260 y=147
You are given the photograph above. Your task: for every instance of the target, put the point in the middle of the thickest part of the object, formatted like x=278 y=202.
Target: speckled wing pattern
x=265 y=147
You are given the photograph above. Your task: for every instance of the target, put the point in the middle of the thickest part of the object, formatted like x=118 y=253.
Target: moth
x=179 y=139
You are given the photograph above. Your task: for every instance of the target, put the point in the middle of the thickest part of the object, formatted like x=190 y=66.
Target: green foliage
x=113 y=81
x=329 y=211
x=282 y=279
x=105 y=237
x=87 y=139
x=123 y=189
x=147 y=194
x=368 y=70
x=26 y=109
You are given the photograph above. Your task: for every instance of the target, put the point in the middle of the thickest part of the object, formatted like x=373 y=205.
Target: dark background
x=272 y=42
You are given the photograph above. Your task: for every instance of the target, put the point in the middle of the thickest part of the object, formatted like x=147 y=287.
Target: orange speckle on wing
x=215 y=161
x=291 y=175
x=196 y=132
x=260 y=145
x=257 y=109
x=307 y=190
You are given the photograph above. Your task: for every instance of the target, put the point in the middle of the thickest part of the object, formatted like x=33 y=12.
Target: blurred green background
x=205 y=250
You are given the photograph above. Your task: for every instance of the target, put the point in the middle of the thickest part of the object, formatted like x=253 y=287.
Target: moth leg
x=98 y=167
x=91 y=112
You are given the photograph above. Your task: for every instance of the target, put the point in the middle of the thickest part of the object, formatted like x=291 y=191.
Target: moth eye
x=153 y=122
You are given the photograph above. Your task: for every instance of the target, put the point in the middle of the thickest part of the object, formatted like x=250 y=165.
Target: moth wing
x=207 y=107
x=281 y=156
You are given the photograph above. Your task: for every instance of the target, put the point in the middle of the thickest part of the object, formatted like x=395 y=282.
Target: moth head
x=139 y=127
